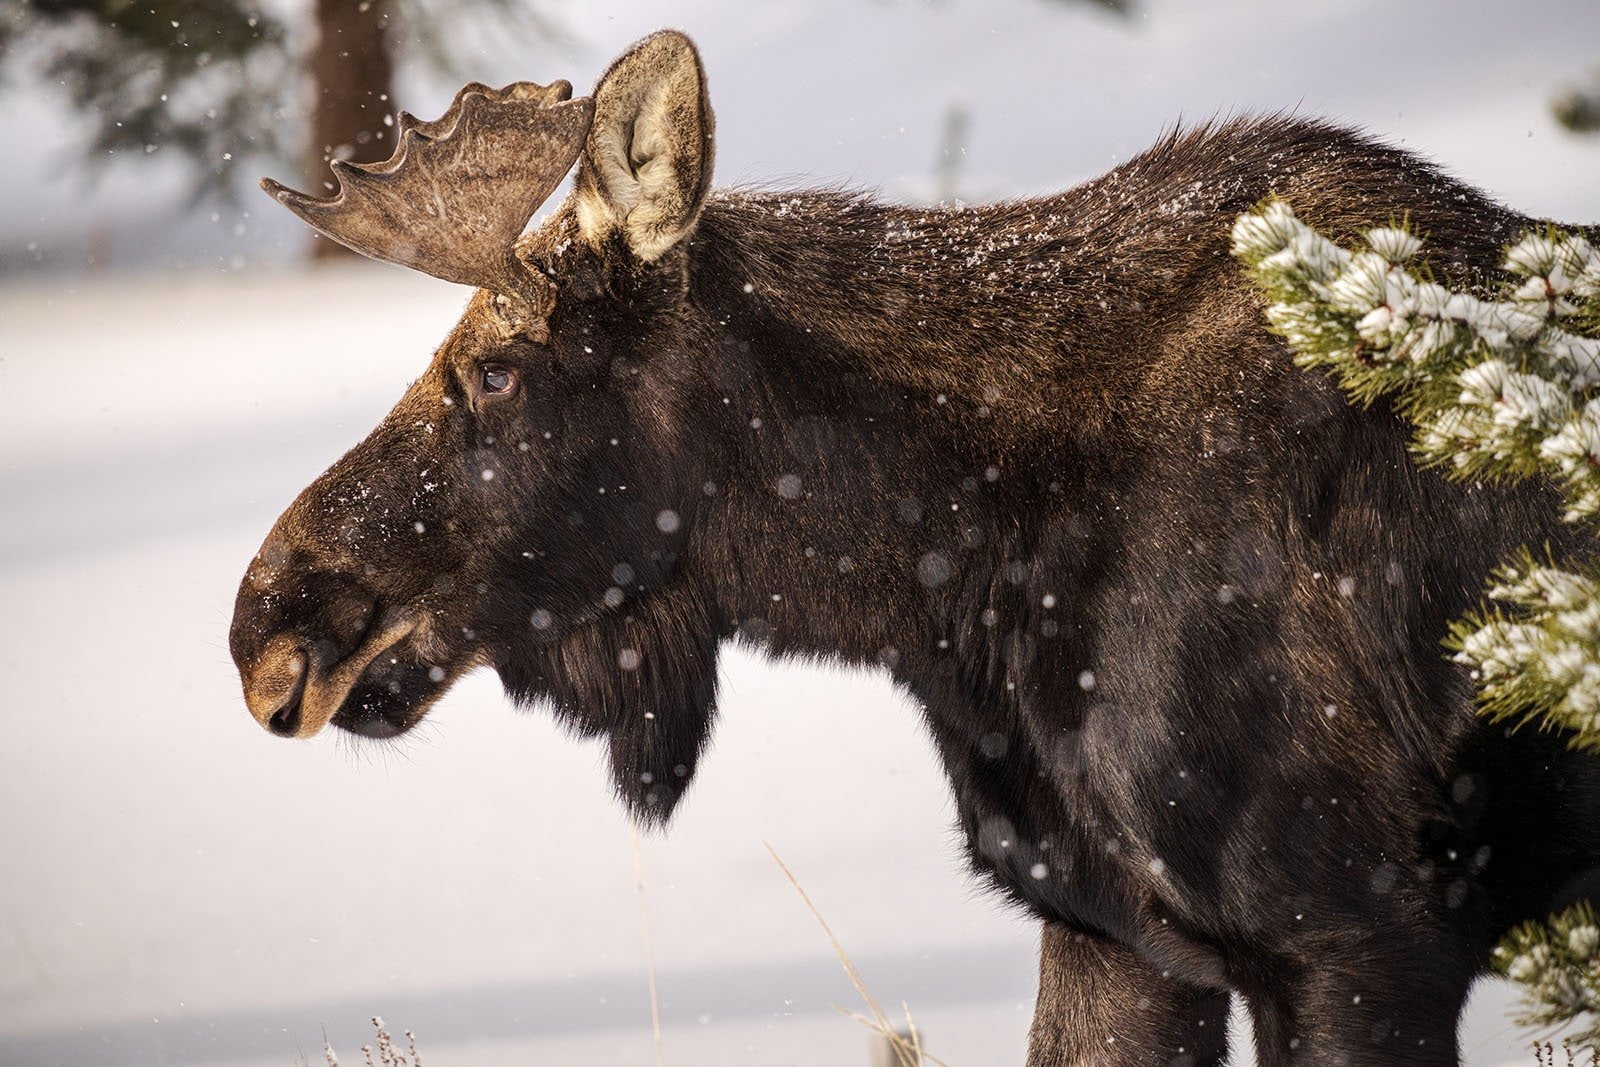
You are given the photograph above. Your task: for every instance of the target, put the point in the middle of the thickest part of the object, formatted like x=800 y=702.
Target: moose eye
x=497 y=380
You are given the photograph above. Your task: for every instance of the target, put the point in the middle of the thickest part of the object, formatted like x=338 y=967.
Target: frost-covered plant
x=1533 y=652
x=1558 y=967
x=1499 y=386
x=1502 y=383
x=1544 y=1054
x=389 y=1054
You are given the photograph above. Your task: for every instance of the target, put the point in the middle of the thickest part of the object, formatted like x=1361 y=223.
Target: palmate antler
x=458 y=191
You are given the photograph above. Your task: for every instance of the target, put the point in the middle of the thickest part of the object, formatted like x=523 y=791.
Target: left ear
x=647 y=164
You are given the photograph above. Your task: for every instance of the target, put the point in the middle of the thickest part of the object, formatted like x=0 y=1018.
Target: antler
x=458 y=191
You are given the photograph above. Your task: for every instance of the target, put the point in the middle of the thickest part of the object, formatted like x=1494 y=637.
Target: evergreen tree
x=1499 y=387
x=219 y=81
x=201 y=77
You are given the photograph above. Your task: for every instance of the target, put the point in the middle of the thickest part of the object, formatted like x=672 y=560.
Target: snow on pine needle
x=1559 y=965
x=1498 y=387
x=1535 y=652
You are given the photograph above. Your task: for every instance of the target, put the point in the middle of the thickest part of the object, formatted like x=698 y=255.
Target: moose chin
x=1013 y=454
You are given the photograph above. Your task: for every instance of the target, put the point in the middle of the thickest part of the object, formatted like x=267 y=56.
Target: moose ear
x=647 y=164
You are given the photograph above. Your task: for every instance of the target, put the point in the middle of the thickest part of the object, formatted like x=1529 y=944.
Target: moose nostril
x=275 y=680
x=286 y=720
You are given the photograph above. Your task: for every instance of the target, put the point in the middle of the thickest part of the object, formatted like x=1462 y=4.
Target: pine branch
x=1557 y=966
x=1533 y=655
x=1499 y=389
x=205 y=78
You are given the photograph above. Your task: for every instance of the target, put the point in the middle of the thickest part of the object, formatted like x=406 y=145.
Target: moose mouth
x=390 y=697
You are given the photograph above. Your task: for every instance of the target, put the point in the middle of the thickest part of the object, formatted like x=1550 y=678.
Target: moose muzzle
x=306 y=637
x=293 y=693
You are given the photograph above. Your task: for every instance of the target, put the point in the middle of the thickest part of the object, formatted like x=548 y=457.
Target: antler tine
x=544 y=95
x=457 y=192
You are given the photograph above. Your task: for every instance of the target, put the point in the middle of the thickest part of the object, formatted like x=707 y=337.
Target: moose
x=1171 y=606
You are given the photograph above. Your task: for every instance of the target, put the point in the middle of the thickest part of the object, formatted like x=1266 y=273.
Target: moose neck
x=1009 y=307
x=903 y=389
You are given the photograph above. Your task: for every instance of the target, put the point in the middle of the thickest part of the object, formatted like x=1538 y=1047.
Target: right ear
x=647 y=164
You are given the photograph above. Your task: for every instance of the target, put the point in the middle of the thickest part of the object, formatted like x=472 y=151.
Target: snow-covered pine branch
x=1497 y=387
x=1558 y=965
x=1535 y=654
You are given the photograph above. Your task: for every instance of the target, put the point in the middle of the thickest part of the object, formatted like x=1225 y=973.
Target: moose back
x=1171 y=607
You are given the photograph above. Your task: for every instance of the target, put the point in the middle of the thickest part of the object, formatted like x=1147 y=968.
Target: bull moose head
x=541 y=477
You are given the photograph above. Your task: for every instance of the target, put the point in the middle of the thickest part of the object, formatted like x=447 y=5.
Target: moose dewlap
x=1172 y=608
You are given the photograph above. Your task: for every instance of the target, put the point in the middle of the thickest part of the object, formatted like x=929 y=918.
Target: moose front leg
x=1393 y=1004
x=1100 y=1005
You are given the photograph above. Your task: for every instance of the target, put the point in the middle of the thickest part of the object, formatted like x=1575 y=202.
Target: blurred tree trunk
x=352 y=72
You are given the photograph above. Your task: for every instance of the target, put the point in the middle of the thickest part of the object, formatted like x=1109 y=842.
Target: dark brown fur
x=1172 y=607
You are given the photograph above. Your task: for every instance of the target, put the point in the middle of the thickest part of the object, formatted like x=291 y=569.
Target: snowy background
x=176 y=887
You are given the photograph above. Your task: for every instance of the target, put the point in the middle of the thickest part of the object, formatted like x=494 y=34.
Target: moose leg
x=1361 y=1013
x=1100 y=1005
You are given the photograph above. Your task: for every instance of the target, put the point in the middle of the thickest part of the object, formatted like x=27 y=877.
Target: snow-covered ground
x=176 y=887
